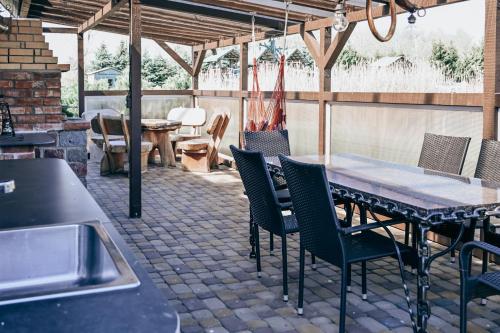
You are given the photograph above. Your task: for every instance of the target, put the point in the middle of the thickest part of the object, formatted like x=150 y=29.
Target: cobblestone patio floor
x=193 y=240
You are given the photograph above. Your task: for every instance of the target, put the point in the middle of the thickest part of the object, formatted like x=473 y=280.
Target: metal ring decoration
x=421 y=12
x=371 y=23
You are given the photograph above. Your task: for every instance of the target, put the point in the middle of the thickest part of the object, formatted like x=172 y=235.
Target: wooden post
x=198 y=57
x=243 y=85
x=491 y=69
x=325 y=85
x=81 y=75
x=325 y=54
x=134 y=104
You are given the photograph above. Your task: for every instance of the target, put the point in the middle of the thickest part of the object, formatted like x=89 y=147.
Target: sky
x=462 y=23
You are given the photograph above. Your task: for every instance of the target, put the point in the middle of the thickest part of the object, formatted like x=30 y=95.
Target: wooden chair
x=201 y=154
x=116 y=151
x=192 y=119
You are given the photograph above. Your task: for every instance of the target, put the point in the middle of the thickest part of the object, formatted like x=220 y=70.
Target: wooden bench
x=116 y=151
x=192 y=119
x=201 y=154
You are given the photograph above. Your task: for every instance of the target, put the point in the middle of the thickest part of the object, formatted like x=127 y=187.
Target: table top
x=420 y=193
x=160 y=124
x=27 y=139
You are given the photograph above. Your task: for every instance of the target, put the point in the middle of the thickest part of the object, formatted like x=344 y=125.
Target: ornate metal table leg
x=251 y=238
x=423 y=307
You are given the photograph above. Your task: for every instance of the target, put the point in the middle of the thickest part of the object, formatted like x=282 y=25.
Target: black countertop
x=27 y=139
x=48 y=192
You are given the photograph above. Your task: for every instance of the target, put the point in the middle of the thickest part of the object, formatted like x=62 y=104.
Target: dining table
x=423 y=197
x=157 y=131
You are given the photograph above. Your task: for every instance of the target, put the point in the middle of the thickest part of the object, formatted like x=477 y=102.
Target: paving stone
x=193 y=242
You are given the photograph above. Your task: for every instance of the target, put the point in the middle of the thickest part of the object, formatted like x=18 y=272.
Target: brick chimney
x=30 y=78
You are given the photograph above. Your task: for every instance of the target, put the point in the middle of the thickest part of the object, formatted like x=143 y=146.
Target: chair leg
x=284 y=268
x=407 y=233
x=463 y=308
x=300 y=309
x=271 y=244
x=257 y=249
x=343 y=298
x=363 y=280
x=252 y=236
x=348 y=282
x=313 y=262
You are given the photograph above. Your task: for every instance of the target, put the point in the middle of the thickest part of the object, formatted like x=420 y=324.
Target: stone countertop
x=48 y=192
x=27 y=139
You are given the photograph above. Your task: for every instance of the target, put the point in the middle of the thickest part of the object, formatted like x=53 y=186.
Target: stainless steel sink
x=58 y=261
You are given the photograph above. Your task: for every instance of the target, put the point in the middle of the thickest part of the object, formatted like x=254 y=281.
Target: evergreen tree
x=102 y=58
x=120 y=59
x=349 y=57
x=446 y=58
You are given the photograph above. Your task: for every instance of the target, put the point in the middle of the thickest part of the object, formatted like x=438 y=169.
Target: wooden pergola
x=209 y=24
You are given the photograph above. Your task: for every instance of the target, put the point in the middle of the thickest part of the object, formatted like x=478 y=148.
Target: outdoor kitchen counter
x=48 y=192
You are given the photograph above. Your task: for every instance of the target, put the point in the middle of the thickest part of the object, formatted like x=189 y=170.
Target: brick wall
x=30 y=78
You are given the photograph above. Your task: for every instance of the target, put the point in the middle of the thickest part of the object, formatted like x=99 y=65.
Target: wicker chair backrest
x=264 y=205
x=488 y=164
x=270 y=143
x=444 y=153
x=314 y=208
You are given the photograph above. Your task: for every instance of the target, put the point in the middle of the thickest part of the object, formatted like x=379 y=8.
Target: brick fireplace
x=30 y=81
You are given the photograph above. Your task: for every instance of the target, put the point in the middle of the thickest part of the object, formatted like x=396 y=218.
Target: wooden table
x=157 y=132
x=423 y=197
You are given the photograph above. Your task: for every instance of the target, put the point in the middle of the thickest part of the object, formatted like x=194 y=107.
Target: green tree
x=102 y=58
x=471 y=66
x=446 y=58
x=349 y=57
x=156 y=70
x=120 y=59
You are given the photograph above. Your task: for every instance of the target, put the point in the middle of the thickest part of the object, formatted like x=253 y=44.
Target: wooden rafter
x=54 y=30
x=198 y=62
x=336 y=47
x=355 y=16
x=175 y=56
x=25 y=8
x=101 y=15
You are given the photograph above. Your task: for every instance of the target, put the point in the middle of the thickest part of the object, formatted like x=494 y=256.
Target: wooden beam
x=25 y=8
x=491 y=69
x=198 y=62
x=333 y=52
x=53 y=30
x=101 y=15
x=312 y=44
x=355 y=16
x=81 y=74
x=134 y=103
x=325 y=85
x=175 y=56
x=230 y=14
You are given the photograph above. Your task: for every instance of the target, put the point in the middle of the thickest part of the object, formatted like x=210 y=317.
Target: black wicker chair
x=271 y=143
x=445 y=154
x=265 y=207
x=321 y=232
x=480 y=286
x=487 y=168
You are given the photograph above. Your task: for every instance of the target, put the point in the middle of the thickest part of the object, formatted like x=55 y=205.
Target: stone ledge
x=76 y=125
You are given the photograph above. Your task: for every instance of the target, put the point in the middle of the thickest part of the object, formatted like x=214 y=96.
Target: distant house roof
x=391 y=61
x=265 y=54
x=104 y=70
x=227 y=54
